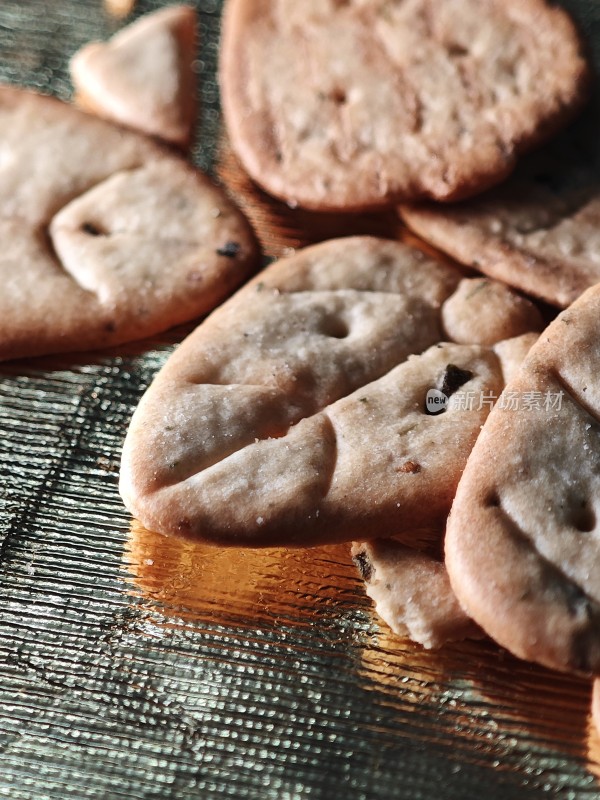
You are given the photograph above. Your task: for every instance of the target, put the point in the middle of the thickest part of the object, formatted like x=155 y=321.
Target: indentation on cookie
x=492 y=500
x=47 y=242
x=555 y=589
x=335 y=327
x=584 y=518
x=92 y=229
x=574 y=395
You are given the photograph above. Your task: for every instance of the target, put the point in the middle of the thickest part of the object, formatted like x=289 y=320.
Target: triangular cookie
x=143 y=77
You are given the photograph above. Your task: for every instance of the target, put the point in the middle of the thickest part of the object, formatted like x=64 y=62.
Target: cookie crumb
x=411 y=467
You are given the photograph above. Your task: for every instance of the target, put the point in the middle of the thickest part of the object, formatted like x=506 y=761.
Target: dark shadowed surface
x=135 y=667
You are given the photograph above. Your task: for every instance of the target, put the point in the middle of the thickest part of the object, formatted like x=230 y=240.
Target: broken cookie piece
x=412 y=593
x=144 y=77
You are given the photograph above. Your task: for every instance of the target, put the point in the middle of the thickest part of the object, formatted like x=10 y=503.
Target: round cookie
x=354 y=105
x=106 y=236
x=259 y=428
x=522 y=541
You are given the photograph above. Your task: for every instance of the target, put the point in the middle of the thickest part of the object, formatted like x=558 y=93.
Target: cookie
x=534 y=236
x=355 y=105
x=522 y=544
x=412 y=593
x=259 y=428
x=410 y=586
x=106 y=236
x=143 y=77
x=488 y=312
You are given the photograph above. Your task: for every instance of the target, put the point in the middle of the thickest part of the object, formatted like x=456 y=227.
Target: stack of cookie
x=358 y=390
x=418 y=104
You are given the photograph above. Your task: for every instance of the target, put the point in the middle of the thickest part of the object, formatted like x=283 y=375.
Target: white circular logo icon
x=435 y=402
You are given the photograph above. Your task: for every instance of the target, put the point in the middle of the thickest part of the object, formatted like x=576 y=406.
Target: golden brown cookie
x=106 y=236
x=542 y=239
x=292 y=415
x=522 y=540
x=412 y=593
x=353 y=105
x=143 y=77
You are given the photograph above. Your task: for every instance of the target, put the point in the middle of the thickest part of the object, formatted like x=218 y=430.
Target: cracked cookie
x=296 y=413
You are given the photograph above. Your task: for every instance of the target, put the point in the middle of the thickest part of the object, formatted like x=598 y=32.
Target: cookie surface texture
x=296 y=413
x=353 y=105
x=522 y=542
x=532 y=234
x=106 y=237
x=143 y=77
